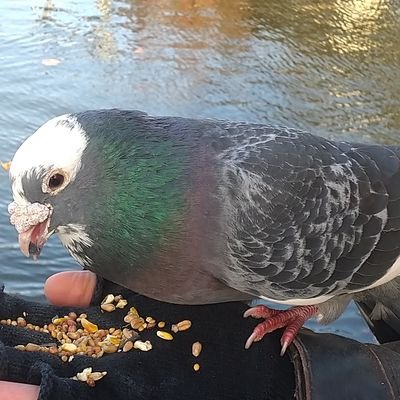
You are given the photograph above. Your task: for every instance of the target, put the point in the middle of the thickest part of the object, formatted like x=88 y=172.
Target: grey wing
x=309 y=217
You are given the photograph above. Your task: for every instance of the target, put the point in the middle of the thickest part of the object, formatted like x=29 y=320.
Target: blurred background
x=330 y=67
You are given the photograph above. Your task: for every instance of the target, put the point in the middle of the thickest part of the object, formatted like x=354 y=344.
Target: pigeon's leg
x=292 y=319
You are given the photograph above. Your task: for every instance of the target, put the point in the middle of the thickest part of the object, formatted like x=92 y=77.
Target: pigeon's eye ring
x=56 y=181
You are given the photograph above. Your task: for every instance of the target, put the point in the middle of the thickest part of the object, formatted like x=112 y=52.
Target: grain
x=128 y=346
x=184 y=325
x=32 y=347
x=164 y=335
x=196 y=349
x=107 y=307
x=69 y=347
x=108 y=299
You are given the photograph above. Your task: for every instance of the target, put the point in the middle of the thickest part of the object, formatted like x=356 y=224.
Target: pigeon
x=198 y=211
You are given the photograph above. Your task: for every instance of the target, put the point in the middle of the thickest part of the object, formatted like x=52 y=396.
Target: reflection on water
x=331 y=67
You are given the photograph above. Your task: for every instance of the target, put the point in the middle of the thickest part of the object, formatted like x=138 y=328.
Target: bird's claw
x=292 y=320
x=284 y=345
x=252 y=338
x=260 y=311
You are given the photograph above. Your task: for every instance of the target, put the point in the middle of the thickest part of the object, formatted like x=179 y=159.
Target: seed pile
x=77 y=335
x=139 y=323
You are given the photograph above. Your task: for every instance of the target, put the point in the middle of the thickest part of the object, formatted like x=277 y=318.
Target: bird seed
x=164 y=335
x=107 y=307
x=184 y=325
x=76 y=336
x=108 y=299
x=143 y=346
x=121 y=303
x=196 y=348
x=89 y=377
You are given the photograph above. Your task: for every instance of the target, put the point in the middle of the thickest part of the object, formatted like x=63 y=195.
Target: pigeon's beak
x=32 y=240
x=32 y=222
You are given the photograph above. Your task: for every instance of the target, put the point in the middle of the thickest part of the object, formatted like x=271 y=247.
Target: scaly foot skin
x=293 y=319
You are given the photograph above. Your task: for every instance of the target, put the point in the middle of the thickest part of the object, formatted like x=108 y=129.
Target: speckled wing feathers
x=385 y=181
x=307 y=216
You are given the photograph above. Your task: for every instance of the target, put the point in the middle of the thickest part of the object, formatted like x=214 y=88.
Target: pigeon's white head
x=56 y=148
x=42 y=168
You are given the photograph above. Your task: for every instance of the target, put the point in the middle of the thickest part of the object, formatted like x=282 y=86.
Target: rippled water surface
x=331 y=67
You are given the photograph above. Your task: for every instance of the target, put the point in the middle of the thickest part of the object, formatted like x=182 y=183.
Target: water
x=331 y=67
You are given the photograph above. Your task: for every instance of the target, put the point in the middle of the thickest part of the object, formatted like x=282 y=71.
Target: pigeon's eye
x=56 y=181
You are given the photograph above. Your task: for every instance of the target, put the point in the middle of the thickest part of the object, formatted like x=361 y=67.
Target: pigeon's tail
x=380 y=307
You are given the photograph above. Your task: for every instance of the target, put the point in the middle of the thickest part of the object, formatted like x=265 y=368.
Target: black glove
x=326 y=366
x=227 y=370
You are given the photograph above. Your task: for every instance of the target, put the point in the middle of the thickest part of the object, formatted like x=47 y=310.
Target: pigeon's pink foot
x=293 y=319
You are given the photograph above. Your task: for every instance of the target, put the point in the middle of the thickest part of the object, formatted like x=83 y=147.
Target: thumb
x=70 y=288
x=18 y=391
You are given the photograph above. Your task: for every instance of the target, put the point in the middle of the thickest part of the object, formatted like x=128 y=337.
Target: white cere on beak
x=24 y=216
x=56 y=145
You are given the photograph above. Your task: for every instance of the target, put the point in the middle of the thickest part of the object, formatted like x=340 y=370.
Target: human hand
x=227 y=370
x=75 y=288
